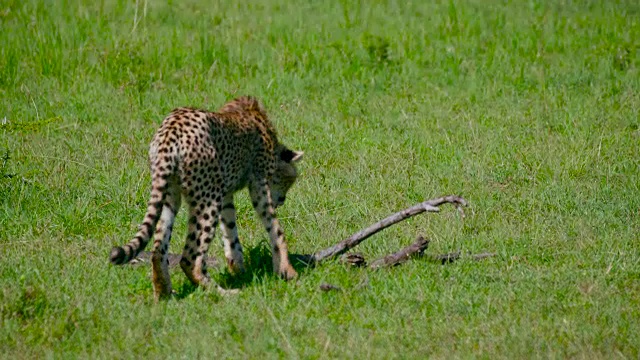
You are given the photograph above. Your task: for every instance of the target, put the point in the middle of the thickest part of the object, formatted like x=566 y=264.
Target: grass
x=527 y=109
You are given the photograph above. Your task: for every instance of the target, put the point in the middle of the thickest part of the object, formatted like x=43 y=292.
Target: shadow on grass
x=258 y=265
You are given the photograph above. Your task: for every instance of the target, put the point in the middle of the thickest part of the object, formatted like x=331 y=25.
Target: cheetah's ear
x=297 y=156
x=291 y=156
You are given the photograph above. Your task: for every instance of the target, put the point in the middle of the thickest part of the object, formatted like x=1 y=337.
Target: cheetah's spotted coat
x=204 y=157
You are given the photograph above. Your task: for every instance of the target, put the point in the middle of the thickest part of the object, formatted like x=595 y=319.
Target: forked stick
x=355 y=239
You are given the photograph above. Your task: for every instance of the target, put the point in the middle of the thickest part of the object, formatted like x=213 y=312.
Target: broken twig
x=328 y=287
x=447 y=258
x=417 y=248
x=355 y=259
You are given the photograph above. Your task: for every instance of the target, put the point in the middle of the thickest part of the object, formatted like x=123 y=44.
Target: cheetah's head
x=285 y=174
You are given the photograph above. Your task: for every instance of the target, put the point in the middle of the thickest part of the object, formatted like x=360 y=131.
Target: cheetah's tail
x=123 y=254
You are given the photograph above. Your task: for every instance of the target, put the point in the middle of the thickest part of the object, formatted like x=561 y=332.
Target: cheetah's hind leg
x=203 y=219
x=232 y=247
x=159 y=257
x=202 y=222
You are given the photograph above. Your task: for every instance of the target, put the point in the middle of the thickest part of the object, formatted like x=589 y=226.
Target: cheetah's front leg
x=261 y=199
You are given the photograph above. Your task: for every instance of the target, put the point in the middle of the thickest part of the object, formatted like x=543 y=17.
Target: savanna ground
x=528 y=109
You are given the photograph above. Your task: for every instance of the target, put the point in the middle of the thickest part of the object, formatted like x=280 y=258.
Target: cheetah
x=204 y=158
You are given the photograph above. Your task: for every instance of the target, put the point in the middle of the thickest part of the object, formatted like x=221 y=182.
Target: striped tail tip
x=118 y=256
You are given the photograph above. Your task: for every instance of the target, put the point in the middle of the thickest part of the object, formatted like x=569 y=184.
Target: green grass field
x=528 y=109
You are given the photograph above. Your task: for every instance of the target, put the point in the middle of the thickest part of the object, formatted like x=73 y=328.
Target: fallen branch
x=417 y=248
x=360 y=236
